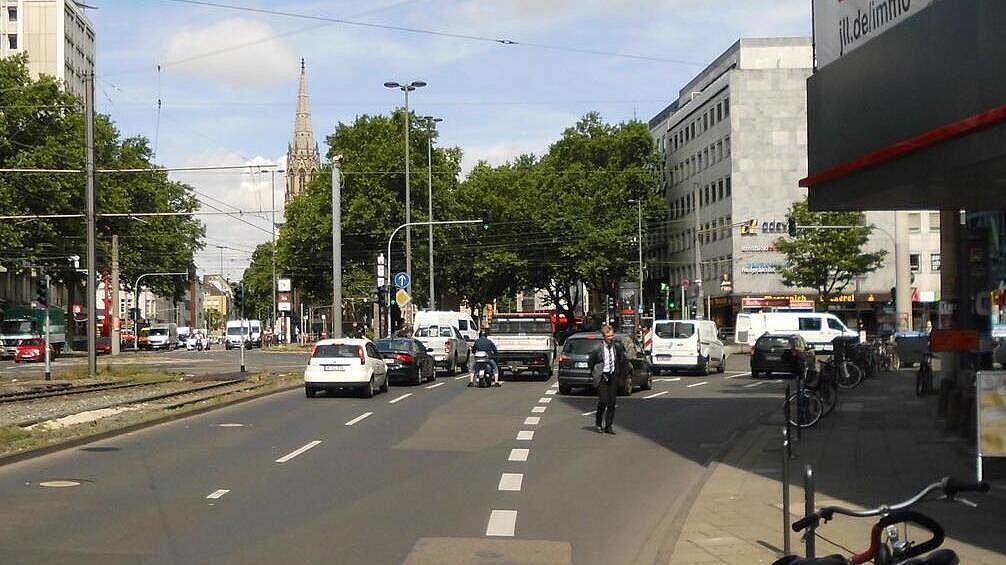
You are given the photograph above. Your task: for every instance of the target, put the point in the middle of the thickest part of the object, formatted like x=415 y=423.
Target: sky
x=227 y=78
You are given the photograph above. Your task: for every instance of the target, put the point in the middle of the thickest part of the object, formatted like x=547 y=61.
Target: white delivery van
x=255 y=332
x=163 y=336
x=463 y=322
x=816 y=328
x=687 y=344
x=237 y=334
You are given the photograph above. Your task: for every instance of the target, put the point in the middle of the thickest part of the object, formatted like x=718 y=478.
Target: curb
x=90 y=438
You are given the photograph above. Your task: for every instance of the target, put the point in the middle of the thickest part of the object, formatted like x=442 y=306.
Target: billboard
x=841 y=26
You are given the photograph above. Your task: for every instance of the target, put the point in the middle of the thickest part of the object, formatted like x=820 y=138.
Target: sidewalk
x=881 y=445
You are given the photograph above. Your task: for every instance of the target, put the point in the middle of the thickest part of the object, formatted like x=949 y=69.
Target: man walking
x=606 y=364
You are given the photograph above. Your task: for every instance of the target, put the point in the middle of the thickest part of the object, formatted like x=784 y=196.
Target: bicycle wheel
x=923 y=380
x=848 y=375
x=805 y=408
x=893 y=361
x=828 y=391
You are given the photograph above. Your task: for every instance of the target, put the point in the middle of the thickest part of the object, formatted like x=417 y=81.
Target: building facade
x=303 y=161
x=733 y=149
x=57 y=36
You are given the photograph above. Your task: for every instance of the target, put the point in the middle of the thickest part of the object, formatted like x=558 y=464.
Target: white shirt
x=609 y=357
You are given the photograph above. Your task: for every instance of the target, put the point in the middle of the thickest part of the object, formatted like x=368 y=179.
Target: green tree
x=257 y=279
x=826 y=260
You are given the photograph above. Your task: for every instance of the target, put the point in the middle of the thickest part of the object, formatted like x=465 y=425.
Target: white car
x=337 y=364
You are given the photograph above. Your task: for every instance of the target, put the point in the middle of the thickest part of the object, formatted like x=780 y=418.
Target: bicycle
x=886 y=544
x=804 y=407
x=826 y=385
x=924 y=375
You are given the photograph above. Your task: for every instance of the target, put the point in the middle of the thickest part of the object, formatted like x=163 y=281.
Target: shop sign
x=771 y=248
x=843 y=25
x=953 y=340
x=762 y=267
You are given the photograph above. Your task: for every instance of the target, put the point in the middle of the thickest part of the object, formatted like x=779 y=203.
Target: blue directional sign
x=401 y=280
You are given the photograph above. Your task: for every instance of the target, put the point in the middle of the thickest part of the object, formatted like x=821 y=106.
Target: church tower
x=302 y=158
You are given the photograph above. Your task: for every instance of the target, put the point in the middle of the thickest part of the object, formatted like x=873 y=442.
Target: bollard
x=785 y=491
x=787 y=425
x=808 y=507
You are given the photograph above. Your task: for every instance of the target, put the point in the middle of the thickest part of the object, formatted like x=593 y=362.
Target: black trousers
x=606 y=393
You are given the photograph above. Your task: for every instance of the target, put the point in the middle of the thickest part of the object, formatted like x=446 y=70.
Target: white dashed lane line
x=551 y=391
x=525 y=435
x=538 y=409
x=461 y=377
x=502 y=523
x=217 y=494
x=532 y=420
x=656 y=394
x=403 y=397
x=667 y=379
x=436 y=385
x=698 y=384
x=545 y=400
x=738 y=375
x=298 y=451
x=518 y=454
x=358 y=418
x=754 y=384
x=589 y=413
x=511 y=482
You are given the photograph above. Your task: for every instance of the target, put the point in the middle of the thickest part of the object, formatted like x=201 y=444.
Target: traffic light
x=239 y=300
x=671 y=305
x=42 y=291
x=487 y=221
x=611 y=303
x=791 y=226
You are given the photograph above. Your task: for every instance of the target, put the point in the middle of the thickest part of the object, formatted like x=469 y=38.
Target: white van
x=463 y=322
x=255 y=332
x=816 y=328
x=687 y=344
x=163 y=336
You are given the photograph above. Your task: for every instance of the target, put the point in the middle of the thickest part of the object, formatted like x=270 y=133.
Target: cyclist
x=483 y=343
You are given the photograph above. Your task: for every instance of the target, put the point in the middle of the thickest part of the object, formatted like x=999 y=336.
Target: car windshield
x=520 y=326
x=674 y=330
x=32 y=341
x=581 y=346
x=237 y=330
x=765 y=343
x=434 y=331
x=393 y=345
x=336 y=350
x=16 y=327
x=159 y=331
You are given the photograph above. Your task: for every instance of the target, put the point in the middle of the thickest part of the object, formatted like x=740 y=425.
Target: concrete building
x=57 y=36
x=734 y=148
x=303 y=161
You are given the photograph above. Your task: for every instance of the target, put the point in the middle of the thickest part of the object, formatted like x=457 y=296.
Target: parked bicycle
x=924 y=375
x=887 y=545
x=825 y=383
x=804 y=407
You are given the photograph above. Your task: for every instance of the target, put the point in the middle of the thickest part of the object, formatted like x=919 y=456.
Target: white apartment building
x=57 y=36
x=733 y=149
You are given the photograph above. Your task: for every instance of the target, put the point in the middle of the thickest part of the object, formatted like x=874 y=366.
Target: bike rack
x=808 y=507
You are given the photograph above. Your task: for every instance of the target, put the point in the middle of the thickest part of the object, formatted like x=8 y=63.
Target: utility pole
x=115 y=302
x=92 y=285
x=698 y=256
x=48 y=356
x=431 y=121
x=337 y=245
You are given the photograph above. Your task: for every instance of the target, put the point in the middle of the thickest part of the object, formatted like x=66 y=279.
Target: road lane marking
x=231 y=425
x=551 y=391
x=502 y=523
x=403 y=397
x=667 y=379
x=545 y=400
x=554 y=385
x=532 y=420
x=511 y=482
x=525 y=435
x=589 y=413
x=217 y=493
x=518 y=454
x=436 y=385
x=698 y=384
x=461 y=377
x=358 y=418
x=754 y=384
x=297 y=451
x=538 y=409
x=738 y=375
x=656 y=394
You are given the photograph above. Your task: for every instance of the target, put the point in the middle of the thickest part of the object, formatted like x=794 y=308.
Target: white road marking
x=754 y=384
x=667 y=379
x=589 y=413
x=403 y=397
x=518 y=454
x=217 y=494
x=777 y=381
x=551 y=391
x=297 y=452
x=545 y=400
x=538 y=409
x=526 y=435
x=698 y=384
x=461 y=377
x=738 y=375
x=532 y=420
x=358 y=418
x=511 y=481
x=231 y=425
x=554 y=385
x=502 y=523
x=436 y=385
x=656 y=394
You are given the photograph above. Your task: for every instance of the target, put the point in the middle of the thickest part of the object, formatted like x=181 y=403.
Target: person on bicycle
x=483 y=343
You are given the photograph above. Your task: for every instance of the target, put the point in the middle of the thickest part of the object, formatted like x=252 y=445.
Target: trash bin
x=911 y=347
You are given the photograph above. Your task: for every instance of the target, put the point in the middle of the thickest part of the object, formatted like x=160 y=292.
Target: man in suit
x=606 y=364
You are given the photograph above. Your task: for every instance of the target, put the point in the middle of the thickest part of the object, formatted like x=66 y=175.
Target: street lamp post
x=273 y=316
x=407 y=88
x=639 y=245
x=431 y=121
x=698 y=255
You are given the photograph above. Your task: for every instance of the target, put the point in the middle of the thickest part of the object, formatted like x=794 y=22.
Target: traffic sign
x=402 y=297
x=401 y=280
x=684 y=282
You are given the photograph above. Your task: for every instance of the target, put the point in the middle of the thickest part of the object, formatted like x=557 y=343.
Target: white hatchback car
x=337 y=364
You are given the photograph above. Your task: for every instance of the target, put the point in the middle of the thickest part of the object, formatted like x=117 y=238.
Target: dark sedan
x=573 y=369
x=781 y=354
x=407 y=360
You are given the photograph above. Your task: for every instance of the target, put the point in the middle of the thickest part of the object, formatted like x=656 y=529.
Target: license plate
x=772 y=357
x=334 y=368
x=581 y=365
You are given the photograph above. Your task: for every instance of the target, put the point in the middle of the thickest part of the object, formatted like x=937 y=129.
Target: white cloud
x=237 y=52
x=499 y=153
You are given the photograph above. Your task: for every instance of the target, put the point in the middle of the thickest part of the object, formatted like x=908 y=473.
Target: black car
x=780 y=353
x=407 y=360
x=573 y=369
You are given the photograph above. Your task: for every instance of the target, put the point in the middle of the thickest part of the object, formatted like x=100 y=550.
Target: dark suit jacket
x=596 y=360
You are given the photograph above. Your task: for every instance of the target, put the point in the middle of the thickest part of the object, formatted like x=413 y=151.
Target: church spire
x=303 y=158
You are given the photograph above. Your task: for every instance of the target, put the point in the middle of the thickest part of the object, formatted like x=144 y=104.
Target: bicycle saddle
x=938 y=557
x=829 y=560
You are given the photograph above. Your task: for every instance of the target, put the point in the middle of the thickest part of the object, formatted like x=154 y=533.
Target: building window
x=12 y=14
x=934 y=221
x=719 y=112
x=726 y=106
x=934 y=262
x=913 y=261
x=914 y=222
x=12 y=40
x=705 y=121
x=728 y=187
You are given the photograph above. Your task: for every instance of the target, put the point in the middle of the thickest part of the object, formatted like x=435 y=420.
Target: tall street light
x=431 y=125
x=639 y=244
x=407 y=88
x=273 y=316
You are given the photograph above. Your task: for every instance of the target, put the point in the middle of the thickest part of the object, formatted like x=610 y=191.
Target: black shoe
x=598 y=429
x=609 y=431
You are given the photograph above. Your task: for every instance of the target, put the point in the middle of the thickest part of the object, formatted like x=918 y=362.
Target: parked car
x=816 y=328
x=781 y=353
x=687 y=344
x=448 y=347
x=340 y=364
x=32 y=349
x=407 y=360
x=573 y=370
x=103 y=346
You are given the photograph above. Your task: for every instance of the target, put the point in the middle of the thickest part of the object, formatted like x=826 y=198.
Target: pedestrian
x=606 y=364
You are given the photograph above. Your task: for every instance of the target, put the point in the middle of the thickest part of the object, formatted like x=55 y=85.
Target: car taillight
x=363 y=356
x=564 y=358
x=314 y=350
x=404 y=357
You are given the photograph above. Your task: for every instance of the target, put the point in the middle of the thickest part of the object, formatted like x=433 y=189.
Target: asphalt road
x=423 y=474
